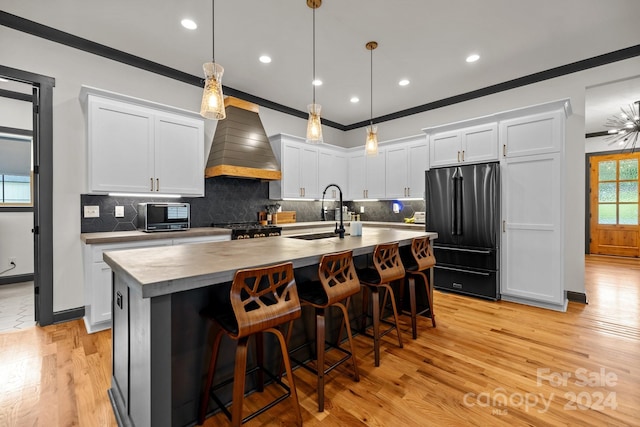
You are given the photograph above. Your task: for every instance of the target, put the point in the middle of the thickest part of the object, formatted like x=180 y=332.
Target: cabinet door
x=290 y=165
x=417 y=166
x=396 y=172
x=535 y=134
x=532 y=236
x=445 y=148
x=309 y=173
x=375 y=175
x=179 y=156
x=120 y=148
x=332 y=169
x=100 y=304
x=480 y=143
x=356 y=176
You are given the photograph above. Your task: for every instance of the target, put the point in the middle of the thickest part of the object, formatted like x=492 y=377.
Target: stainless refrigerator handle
x=479 y=273
x=475 y=251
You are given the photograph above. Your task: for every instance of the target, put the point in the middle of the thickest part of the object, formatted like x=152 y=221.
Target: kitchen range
x=250 y=230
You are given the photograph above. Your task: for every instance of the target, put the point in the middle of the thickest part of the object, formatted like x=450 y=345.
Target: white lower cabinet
x=97 y=276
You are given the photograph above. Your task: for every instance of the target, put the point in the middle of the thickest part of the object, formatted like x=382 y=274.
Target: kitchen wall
x=234 y=200
x=72 y=68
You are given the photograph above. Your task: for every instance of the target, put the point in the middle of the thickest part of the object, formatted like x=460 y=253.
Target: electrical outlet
x=92 y=211
x=361 y=209
x=119 y=212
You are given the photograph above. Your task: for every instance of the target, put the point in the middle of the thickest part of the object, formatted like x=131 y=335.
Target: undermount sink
x=316 y=236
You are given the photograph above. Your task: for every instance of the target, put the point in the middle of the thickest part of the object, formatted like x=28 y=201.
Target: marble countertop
x=133 y=236
x=169 y=269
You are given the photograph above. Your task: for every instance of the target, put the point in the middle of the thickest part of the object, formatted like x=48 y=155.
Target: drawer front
x=478 y=283
x=483 y=259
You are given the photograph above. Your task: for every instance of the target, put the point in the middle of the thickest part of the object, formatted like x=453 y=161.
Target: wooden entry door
x=614 y=205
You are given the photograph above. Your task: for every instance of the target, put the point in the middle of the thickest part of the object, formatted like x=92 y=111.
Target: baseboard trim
x=66 y=315
x=10 y=280
x=577 y=297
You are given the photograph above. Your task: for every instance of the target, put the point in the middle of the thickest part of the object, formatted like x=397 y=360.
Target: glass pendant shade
x=371 y=144
x=212 y=106
x=314 y=125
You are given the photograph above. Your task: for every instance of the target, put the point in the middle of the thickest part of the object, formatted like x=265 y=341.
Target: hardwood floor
x=485 y=364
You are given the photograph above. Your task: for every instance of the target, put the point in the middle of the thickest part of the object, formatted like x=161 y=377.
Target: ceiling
x=423 y=41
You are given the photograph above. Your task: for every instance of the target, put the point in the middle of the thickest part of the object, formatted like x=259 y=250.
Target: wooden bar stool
x=338 y=283
x=261 y=299
x=421 y=260
x=387 y=269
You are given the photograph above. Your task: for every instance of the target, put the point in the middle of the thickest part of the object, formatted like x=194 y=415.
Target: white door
x=532 y=249
x=309 y=173
x=375 y=176
x=396 y=172
x=417 y=166
x=290 y=164
x=121 y=147
x=179 y=156
x=445 y=148
x=480 y=143
x=356 y=174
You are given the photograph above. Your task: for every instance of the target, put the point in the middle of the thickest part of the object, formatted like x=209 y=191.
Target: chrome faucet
x=339 y=230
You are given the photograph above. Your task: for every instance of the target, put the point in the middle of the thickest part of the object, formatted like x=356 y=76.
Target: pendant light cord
x=213 y=33
x=313 y=83
x=371 y=81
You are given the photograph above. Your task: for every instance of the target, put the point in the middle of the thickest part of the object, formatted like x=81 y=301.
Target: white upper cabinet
x=299 y=167
x=332 y=169
x=535 y=134
x=367 y=175
x=405 y=167
x=475 y=144
x=133 y=148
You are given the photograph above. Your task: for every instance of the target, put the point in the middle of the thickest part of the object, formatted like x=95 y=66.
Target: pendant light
x=212 y=106
x=314 y=125
x=371 y=143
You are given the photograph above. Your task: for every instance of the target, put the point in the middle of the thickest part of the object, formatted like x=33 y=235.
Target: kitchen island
x=159 y=339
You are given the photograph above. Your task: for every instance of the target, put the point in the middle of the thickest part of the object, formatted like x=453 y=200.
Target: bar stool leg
x=260 y=360
x=414 y=309
x=287 y=365
x=320 y=338
x=238 y=382
x=395 y=310
x=375 y=303
x=204 y=403
x=352 y=345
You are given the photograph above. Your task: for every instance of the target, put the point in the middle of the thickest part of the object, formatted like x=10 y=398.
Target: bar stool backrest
x=264 y=297
x=386 y=259
x=338 y=276
x=423 y=253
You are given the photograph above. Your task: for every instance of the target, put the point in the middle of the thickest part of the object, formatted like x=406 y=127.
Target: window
x=618 y=191
x=16 y=176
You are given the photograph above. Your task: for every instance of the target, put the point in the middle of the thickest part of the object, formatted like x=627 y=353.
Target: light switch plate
x=119 y=211
x=92 y=211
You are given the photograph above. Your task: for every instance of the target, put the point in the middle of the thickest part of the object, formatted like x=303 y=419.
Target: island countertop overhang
x=169 y=269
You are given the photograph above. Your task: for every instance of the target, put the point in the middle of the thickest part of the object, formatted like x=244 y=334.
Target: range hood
x=240 y=145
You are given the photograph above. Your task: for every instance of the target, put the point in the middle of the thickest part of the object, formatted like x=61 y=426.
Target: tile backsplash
x=233 y=200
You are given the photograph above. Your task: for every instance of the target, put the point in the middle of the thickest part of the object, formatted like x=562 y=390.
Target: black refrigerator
x=463 y=207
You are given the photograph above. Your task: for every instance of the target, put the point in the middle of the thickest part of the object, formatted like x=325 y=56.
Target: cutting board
x=285 y=217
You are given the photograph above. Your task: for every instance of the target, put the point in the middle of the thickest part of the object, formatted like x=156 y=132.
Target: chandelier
x=625 y=127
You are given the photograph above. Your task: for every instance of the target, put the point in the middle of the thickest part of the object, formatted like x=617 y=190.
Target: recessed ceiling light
x=317 y=82
x=354 y=99
x=189 y=24
x=403 y=82
x=265 y=59
x=473 y=58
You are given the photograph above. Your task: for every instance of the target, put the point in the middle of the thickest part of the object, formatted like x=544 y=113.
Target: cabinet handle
x=151 y=179
x=408 y=191
x=504 y=226
x=458 y=156
x=157 y=184
x=504 y=150
x=463 y=155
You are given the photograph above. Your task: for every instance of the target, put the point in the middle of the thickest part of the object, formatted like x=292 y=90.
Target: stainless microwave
x=164 y=216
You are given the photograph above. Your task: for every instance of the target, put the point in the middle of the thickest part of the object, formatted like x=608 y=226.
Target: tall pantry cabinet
x=532 y=178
